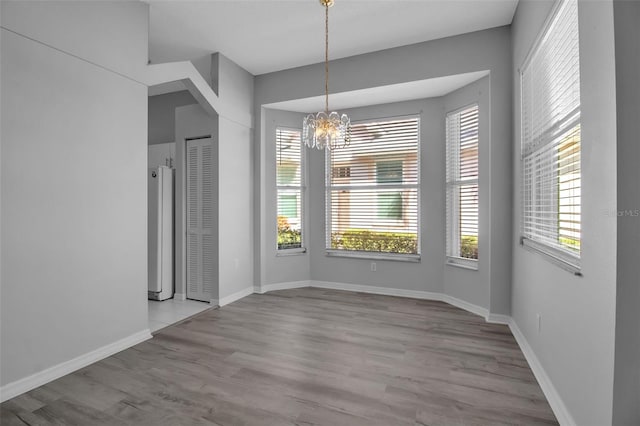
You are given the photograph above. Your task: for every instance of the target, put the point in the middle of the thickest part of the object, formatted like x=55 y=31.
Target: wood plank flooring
x=304 y=357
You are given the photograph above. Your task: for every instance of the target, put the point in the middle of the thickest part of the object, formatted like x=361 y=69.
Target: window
x=288 y=206
x=551 y=179
x=342 y=172
x=389 y=202
x=462 y=186
x=290 y=188
x=373 y=188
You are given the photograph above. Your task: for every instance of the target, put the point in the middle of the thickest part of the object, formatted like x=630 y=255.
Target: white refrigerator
x=160 y=233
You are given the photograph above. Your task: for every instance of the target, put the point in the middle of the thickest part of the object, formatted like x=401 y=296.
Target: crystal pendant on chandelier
x=324 y=129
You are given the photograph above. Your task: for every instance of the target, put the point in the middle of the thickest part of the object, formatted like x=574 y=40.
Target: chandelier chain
x=326 y=58
x=326 y=130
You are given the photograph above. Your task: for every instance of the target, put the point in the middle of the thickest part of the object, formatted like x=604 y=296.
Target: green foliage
x=572 y=244
x=469 y=247
x=383 y=242
x=286 y=172
x=288 y=238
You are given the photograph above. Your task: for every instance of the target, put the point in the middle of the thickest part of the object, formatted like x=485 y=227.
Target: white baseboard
x=235 y=296
x=281 y=286
x=498 y=319
x=464 y=305
x=553 y=397
x=556 y=403
x=478 y=310
x=389 y=291
x=417 y=294
x=560 y=410
x=40 y=378
x=386 y=291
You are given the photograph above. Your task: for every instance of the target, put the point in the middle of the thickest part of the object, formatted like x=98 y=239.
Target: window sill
x=563 y=260
x=415 y=258
x=291 y=252
x=460 y=262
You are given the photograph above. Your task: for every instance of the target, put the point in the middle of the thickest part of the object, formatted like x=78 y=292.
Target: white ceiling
x=420 y=89
x=270 y=35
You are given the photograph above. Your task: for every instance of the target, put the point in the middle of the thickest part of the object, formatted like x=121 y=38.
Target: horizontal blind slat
x=551 y=177
x=289 y=188
x=373 y=187
x=462 y=183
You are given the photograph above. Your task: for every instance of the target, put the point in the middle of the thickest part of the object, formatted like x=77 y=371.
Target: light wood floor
x=304 y=357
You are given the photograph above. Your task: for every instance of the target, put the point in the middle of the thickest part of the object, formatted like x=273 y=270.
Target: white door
x=200 y=219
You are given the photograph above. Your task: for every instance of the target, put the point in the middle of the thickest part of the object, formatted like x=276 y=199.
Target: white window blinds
x=373 y=188
x=290 y=189
x=462 y=183
x=551 y=183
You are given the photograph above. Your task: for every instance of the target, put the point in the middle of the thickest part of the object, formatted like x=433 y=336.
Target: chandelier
x=324 y=129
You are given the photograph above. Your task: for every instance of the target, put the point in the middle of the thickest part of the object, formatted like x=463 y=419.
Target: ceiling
x=419 y=89
x=270 y=35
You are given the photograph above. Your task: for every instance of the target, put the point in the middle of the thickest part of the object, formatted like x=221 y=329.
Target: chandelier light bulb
x=324 y=131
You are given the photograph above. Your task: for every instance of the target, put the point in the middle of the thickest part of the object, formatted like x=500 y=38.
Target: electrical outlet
x=373 y=266
x=539 y=320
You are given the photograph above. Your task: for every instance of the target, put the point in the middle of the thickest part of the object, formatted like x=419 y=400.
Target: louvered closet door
x=200 y=244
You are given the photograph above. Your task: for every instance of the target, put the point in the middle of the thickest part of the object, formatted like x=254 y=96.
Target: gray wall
x=235 y=208
x=480 y=51
x=74 y=188
x=233 y=262
x=423 y=276
x=192 y=121
x=475 y=286
x=626 y=392
x=576 y=342
x=162 y=115
x=235 y=89
x=110 y=34
x=275 y=269
x=429 y=275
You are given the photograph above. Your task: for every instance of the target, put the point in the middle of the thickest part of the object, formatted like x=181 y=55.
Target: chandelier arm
x=326 y=58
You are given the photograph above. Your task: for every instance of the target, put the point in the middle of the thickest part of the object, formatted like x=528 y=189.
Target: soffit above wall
x=161 y=89
x=421 y=89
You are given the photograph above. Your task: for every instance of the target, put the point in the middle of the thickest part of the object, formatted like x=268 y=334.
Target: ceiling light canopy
x=325 y=129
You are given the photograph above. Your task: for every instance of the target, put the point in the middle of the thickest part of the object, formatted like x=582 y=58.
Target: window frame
x=452 y=215
x=563 y=258
x=303 y=195
x=371 y=255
